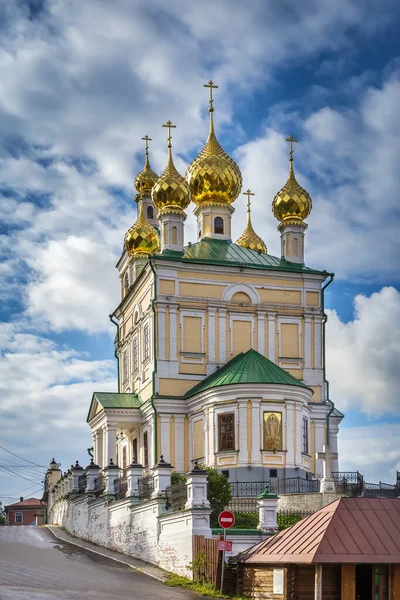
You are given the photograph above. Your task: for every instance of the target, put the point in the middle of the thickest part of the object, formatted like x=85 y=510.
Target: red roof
x=28 y=502
x=349 y=530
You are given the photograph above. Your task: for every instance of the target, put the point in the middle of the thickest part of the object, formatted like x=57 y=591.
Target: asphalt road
x=36 y=566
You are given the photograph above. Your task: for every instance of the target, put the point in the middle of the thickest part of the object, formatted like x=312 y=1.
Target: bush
x=218 y=493
x=246 y=520
x=177 y=477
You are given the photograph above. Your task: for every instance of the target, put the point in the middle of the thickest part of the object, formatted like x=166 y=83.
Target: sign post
x=226 y=520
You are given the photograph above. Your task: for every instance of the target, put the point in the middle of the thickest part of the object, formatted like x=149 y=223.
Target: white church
x=220 y=346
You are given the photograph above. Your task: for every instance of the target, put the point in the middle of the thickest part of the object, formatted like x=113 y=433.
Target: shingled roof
x=349 y=530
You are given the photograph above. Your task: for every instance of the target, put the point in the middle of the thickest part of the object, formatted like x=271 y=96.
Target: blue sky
x=82 y=83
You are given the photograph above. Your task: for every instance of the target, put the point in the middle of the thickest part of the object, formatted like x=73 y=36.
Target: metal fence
x=381 y=490
x=145 y=487
x=350 y=483
x=176 y=496
x=81 y=484
x=289 y=485
x=99 y=484
x=120 y=487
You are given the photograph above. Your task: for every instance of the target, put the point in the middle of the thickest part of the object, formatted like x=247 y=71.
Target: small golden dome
x=292 y=203
x=146 y=178
x=142 y=239
x=249 y=238
x=170 y=192
x=213 y=177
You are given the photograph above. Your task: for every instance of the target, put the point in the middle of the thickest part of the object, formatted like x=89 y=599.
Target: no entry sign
x=226 y=519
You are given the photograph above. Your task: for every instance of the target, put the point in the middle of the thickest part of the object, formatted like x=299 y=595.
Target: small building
x=23 y=512
x=348 y=550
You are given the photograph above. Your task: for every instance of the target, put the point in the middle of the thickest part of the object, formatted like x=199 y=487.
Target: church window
x=146 y=340
x=305 y=435
x=145 y=449
x=126 y=282
x=125 y=366
x=150 y=212
x=218 y=225
x=226 y=431
x=135 y=353
x=174 y=235
x=272 y=431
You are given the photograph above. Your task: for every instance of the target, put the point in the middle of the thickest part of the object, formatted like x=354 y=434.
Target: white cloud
x=363 y=355
x=372 y=450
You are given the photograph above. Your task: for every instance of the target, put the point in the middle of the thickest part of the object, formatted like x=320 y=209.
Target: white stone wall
x=305 y=502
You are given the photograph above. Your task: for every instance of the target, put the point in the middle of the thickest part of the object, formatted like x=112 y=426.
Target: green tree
x=218 y=493
x=2 y=515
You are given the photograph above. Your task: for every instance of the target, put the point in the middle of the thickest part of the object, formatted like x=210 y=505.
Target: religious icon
x=272 y=431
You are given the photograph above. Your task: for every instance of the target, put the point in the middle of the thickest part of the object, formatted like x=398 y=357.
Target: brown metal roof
x=349 y=530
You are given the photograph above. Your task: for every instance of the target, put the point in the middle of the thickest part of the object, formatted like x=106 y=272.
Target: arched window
x=218 y=225
x=150 y=212
x=174 y=235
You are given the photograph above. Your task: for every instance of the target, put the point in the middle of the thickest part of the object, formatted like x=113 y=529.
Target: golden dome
x=293 y=203
x=171 y=192
x=146 y=178
x=249 y=238
x=213 y=177
x=142 y=239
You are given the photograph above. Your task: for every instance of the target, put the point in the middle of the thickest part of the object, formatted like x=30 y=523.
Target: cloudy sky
x=82 y=82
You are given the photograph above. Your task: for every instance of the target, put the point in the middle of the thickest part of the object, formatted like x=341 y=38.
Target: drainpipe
x=326 y=382
x=111 y=317
x=153 y=306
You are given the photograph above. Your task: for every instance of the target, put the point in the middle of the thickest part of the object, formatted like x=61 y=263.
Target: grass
x=204 y=589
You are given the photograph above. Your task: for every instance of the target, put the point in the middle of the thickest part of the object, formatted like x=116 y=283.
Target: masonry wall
x=305 y=502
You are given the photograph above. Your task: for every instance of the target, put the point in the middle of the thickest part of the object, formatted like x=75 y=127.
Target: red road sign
x=225 y=545
x=226 y=519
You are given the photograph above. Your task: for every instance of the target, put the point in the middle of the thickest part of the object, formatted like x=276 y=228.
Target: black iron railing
x=145 y=487
x=289 y=485
x=99 y=484
x=176 y=496
x=247 y=489
x=297 y=485
x=81 y=484
x=381 y=490
x=120 y=487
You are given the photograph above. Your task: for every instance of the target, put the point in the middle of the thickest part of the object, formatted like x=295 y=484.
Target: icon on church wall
x=272 y=431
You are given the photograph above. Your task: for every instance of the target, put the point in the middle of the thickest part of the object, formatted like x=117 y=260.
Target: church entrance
x=372 y=582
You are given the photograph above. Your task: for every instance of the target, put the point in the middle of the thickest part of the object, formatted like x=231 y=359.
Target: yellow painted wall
x=207 y=224
x=198 y=451
x=146 y=300
x=317 y=393
x=280 y=296
x=200 y=290
x=175 y=387
x=167 y=286
x=237 y=278
x=289 y=340
x=192 y=368
x=312 y=298
x=298 y=373
x=241 y=331
x=192 y=334
x=241 y=297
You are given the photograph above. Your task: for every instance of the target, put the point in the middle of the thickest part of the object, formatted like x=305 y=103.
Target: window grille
x=305 y=435
x=226 y=429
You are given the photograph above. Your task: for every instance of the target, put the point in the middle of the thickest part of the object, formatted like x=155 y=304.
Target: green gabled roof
x=248 y=367
x=225 y=252
x=116 y=400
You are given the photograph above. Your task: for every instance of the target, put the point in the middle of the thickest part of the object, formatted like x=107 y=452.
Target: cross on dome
x=147 y=139
x=248 y=193
x=212 y=87
x=170 y=126
x=291 y=140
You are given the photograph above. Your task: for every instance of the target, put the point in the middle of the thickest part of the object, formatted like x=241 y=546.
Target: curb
x=138 y=569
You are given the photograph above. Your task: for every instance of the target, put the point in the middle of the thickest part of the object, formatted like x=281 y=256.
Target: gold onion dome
x=213 y=177
x=292 y=203
x=142 y=239
x=249 y=238
x=146 y=178
x=171 y=192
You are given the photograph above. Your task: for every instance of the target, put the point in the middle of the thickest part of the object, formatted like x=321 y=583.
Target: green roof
x=225 y=252
x=248 y=367
x=116 y=400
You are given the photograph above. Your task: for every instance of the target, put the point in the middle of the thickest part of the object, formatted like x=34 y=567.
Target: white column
x=211 y=436
x=222 y=335
x=110 y=444
x=95 y=437
x=257 y=424
x=299 y=435
x=307 y=342
x=290 y=432
x=271 y=336
x=172 y=332
x=211 y=335
x=333 y=433
x=179 y=437
x=242 y=427
x=319 y=444
x=161 y=331
x=104 y=449
x=165 y=436
x=317 y=342
x=261 y=331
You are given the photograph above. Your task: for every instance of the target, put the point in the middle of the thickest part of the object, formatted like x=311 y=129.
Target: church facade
x=220 y=346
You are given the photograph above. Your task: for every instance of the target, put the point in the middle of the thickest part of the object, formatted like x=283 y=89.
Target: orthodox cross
x=147 y=140
x=291 y=139
x=327 y=456
x=212 y=87
x=248 y=193
x=170 y=126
